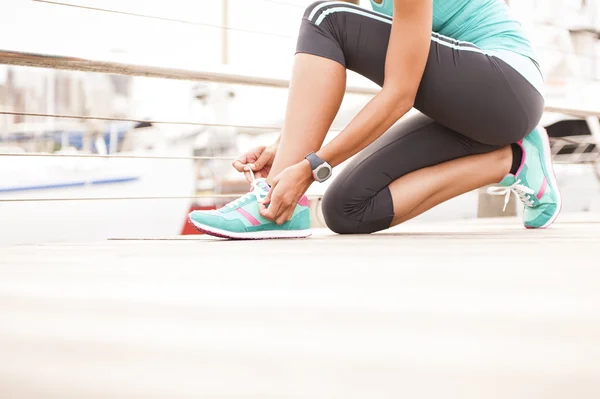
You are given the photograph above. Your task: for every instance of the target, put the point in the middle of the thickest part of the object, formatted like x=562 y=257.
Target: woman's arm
x=407 y=54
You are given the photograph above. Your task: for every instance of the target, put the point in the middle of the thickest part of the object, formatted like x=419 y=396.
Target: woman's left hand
x=287 y=189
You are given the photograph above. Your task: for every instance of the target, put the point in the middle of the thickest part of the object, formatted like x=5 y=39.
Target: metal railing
x=230 y=75
x=220 y=74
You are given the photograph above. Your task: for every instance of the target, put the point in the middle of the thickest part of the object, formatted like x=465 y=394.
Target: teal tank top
x=488 y=24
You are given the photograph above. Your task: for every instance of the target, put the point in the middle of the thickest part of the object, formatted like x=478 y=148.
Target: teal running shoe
x=240 y=219
x=534 y=183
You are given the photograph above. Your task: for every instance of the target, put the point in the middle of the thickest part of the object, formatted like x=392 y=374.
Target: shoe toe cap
x=539 y=216
x=213 y=219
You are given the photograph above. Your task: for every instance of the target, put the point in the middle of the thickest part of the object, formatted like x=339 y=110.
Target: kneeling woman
x=466 y=65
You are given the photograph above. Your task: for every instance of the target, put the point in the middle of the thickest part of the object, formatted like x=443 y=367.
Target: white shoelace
x=523 y=192
x=256 y=192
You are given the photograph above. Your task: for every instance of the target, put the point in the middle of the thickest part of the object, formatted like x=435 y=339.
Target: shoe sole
x=553 y=182
x=255 y=235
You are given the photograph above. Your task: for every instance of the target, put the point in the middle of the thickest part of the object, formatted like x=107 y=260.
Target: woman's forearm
x=371 y=122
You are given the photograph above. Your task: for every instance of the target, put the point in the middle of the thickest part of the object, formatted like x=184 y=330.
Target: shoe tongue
x=508 y=180
x=263 y=185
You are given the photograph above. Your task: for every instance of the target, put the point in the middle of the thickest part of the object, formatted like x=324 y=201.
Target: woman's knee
x=336 y=218
x=348 y=212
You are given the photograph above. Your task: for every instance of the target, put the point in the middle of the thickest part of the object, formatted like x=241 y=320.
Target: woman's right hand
x=259 y=160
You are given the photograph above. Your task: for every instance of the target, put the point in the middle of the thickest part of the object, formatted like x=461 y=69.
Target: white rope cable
x=156 y=122
x=200 y=196
x=116 y=156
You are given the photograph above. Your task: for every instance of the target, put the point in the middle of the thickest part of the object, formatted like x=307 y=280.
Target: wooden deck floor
x=481 y=309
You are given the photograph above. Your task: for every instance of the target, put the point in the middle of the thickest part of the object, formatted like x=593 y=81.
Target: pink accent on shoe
x=248 y=216
x=543 y=189
x=520 y=143
x=304 y=201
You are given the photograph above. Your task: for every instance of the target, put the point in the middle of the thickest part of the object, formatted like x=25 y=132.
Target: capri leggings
x=470 y=102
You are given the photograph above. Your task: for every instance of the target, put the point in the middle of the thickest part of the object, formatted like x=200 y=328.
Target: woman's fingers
x=280 y=209
x=262 y=205
x=272 y=211
x=267 y=199
x=266 y=158
x=249 y=157
x=287 y=215
x=272 y=199
x=240 y=163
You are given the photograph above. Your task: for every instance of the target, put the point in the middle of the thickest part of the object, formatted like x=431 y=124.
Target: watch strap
x=314 y=160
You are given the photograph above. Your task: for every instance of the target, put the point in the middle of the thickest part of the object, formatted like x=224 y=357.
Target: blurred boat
x=27 y=183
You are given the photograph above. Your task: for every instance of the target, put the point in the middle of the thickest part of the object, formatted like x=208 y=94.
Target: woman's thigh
x=462 y=88
x=478 y=95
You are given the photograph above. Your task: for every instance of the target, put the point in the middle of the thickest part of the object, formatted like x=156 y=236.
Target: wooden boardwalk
x=481 y=309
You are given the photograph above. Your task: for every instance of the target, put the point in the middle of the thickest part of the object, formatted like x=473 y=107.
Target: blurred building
x=565 y=36
x=31 y=90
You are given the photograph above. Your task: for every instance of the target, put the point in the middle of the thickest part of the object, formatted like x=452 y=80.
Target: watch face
x=323 y=173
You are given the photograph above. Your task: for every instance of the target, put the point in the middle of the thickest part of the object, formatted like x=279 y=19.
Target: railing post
x=316 y=214
x=225 y=32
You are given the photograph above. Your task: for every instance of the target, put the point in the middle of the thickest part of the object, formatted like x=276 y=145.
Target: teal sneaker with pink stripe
x=534 y=183
x=240 y=219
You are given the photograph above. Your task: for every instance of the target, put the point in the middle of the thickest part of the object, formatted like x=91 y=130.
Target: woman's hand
x=259 y=160
x=287 y=189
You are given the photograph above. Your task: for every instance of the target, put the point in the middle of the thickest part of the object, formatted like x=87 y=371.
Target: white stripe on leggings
x=434 y=35
x=329 y=3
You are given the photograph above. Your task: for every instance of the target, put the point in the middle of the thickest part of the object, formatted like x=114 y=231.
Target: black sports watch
x=321 y=170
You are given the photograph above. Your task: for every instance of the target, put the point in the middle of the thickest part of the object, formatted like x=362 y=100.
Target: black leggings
x=470 y=103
